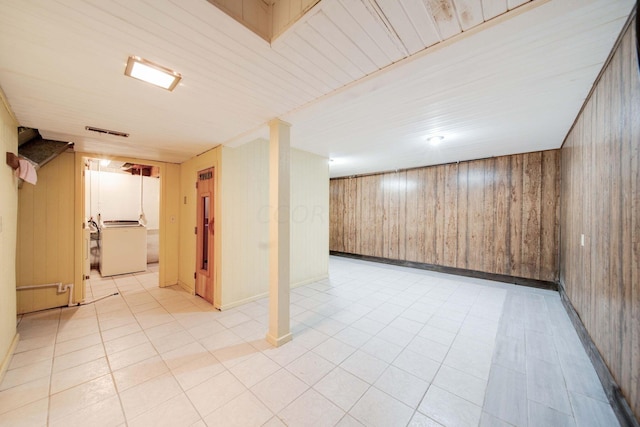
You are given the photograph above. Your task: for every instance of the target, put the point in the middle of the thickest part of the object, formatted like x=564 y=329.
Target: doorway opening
x=122 y=220
x=205 y=230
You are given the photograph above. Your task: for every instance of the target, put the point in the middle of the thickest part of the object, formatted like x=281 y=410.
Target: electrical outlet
x=582 y=240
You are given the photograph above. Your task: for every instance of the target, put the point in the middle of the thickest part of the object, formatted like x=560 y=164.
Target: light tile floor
x=375 y=345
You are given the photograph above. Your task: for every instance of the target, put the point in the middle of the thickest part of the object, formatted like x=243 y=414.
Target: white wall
x=245 y=215
x=117 y=196
x=309 y=217
x=8 y=229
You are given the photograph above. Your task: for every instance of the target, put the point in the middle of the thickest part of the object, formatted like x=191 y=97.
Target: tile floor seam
x=564 y=376
x=111 y=370
x=55 y=342
x=351 y=285
x=113 y=378
x=416 y=410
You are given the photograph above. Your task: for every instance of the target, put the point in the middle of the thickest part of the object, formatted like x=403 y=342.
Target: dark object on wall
x=638 y=33
x=12 y=160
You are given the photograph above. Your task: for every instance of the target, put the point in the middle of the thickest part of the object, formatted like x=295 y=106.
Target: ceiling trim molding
x=5 y=102
x=625 y=28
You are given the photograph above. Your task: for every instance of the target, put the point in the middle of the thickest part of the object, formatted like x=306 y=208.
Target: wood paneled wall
x=45 y=249
x=601 y=200
x=497 y=215
x=8 y=233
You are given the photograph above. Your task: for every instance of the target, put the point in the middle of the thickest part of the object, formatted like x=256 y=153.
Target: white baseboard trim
x=266 y=294
x=186 y=288
x=308 y=281
x=223 y=307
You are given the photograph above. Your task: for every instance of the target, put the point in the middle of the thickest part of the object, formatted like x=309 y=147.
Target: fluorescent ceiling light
x=149 y=72
x=105 y=162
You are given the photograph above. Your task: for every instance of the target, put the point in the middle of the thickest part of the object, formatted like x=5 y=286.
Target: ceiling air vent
x=107 y=131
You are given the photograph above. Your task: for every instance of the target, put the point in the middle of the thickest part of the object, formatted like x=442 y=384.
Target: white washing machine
x=123 y=248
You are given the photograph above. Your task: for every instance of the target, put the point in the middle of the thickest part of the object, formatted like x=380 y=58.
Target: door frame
x=210 y=272
x=80 y=213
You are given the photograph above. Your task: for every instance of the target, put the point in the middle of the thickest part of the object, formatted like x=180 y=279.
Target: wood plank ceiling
x=362 y=81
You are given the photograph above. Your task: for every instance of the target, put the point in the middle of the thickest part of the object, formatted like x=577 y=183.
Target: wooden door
x=205 y=232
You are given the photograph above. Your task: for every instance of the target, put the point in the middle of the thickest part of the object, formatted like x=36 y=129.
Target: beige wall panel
x=25 y=249
x=46 y=235
x=600 y=197
x=8 y=233
x=310 y=220
x=244 y=221
x=244 y=225
x=170 y=220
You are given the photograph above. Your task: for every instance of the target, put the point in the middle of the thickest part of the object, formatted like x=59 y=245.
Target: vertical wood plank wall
x=45 y=249
x=254 y=14
x=497 y=215
x=601 y=200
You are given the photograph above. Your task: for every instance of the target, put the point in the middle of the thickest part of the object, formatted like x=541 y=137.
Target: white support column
x=279 y=264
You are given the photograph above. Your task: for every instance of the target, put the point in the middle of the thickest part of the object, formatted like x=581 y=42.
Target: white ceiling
x=362 y=81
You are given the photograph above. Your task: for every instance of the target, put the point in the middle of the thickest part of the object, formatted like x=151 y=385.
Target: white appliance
x=123 y=248
x=86 y=262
